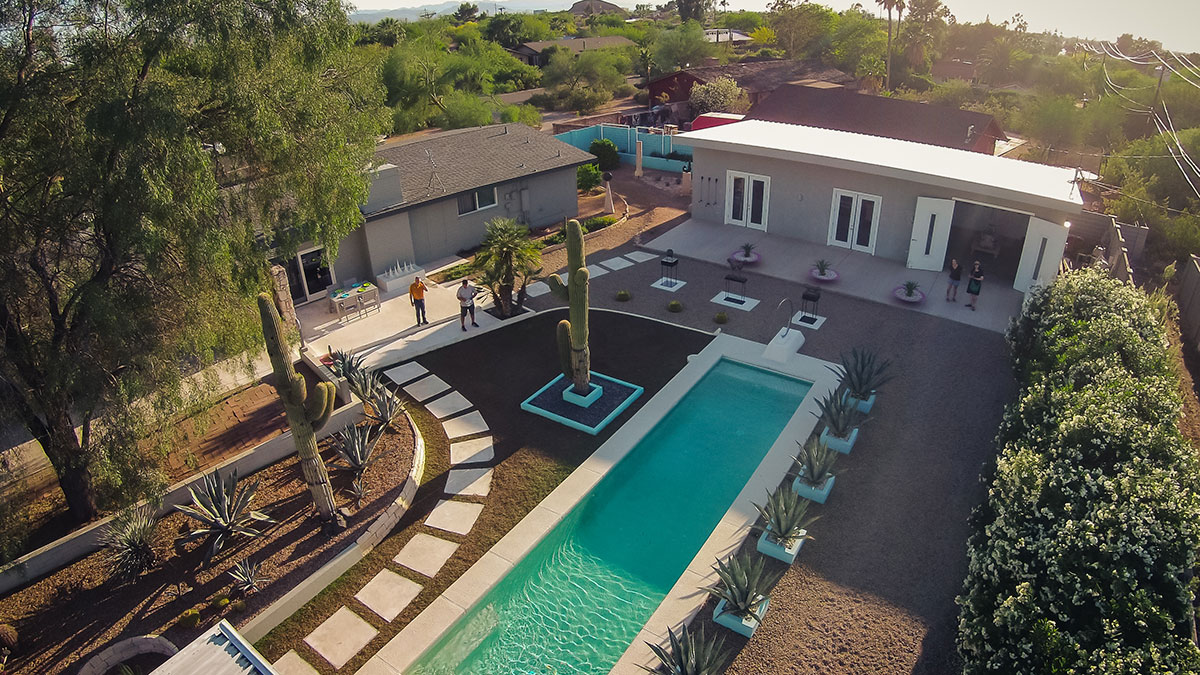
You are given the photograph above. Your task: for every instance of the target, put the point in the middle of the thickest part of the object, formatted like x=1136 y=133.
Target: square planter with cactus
x=841 y=418
x=862 y=372
x=787 y=521
x=814 y=480
x=743 y=593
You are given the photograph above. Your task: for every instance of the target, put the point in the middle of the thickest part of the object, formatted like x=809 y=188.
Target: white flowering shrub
x=1081 y=556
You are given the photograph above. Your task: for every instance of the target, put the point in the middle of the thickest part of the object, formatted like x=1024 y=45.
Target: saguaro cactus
x=306 y=412
x=572 y=335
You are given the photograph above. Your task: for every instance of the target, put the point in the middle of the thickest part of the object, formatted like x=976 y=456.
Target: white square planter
x=864 y=407
x=809 y=492
x=737 y=624
x=594 y=395
x=836 y=443
x=787 y=554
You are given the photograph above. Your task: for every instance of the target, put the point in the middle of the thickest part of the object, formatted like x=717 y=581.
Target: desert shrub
x=464 y=109
x=585 y=100
x=624 y=90
x=606 y=154
x=8 y=637
x=189 y=619
x=624 y=296
x=675 y=306
x=525 y=114
x=587 y=177
x=721 y=317
x=129 y=541
x=220 y=602
x=545 y=100
x=597 y=223
x=1080 y=558
x=237 y=606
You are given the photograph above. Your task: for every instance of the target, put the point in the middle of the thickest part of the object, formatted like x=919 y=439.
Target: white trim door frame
x=854 y=220
x=930 y=234
x=1041 y=254
x=747 y=199
x=321 y=292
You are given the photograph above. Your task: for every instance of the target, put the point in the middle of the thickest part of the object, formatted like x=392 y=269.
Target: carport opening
x=991 y=235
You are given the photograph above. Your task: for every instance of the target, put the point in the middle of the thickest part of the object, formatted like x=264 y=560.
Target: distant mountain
x=448 y=7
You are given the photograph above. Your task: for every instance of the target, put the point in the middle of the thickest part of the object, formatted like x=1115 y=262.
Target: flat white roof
x=1049 y=186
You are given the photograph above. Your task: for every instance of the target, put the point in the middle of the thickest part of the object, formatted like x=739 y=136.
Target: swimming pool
x=579 y=598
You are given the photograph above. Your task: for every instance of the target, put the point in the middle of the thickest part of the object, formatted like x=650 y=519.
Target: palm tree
x=507 y=251
x=889 y=5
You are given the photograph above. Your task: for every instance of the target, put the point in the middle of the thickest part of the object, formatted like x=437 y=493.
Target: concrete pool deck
x=686 y=597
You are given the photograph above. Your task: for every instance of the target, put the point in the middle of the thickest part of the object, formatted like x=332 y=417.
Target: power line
x=1175 y=135
x=1183 y=171
x=1118 y=190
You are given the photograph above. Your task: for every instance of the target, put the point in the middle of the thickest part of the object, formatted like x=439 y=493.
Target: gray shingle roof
x=445 y=164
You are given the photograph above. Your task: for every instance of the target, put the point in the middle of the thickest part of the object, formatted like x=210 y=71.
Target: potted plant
x=909 y=291
x=815 y=479
x=841 y=418
x=746 y=254
x=786 y=515
x=743 y=593
x=689 y=653
x=862 y=373
x=822 y=270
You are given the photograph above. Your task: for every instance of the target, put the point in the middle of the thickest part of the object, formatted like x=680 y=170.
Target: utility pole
x=1162 y=71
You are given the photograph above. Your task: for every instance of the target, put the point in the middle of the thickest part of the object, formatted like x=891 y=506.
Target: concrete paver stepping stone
x=388 y=594
x=471 y=423
x=426 y=554
x=456 y=517
x=473 y=482
x=476 y=450
x=340 y=637
x=448 y=405
x=617 y=263
x=640 y=256
x=536 y=289
x=596 y=271
x=426 y=388
x=292 y=663
x=406 y=372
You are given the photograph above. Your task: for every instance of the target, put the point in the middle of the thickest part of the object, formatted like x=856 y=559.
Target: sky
x=1175 y=23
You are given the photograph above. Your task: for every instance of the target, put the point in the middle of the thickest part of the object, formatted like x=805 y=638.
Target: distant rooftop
x=1049 y=186
x=762 y=76
x=578 y=45
x=723 y=35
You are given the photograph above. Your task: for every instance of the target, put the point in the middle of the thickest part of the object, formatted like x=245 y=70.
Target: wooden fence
x=1188 y=298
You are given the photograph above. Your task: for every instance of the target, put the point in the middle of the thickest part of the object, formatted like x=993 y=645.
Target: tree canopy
x=150 y=157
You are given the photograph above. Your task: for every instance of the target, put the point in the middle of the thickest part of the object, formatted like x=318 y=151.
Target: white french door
x=854 y=220
x=746 y=199
x=930 y=234
x=1041 y=254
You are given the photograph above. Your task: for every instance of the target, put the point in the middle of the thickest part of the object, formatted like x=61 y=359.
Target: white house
x=906 y=201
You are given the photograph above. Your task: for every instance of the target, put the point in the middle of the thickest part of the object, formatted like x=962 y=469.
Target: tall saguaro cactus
x=572 y=335
x=306 y=412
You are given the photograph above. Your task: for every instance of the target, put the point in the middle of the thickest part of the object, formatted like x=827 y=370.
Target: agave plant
x=910 y=288
x=358 y=491
x=862 y=372
x=745 y=584
x=816 y=463
x=246 y=576
x=129 y=539
x=384 y=407
x=343 y=364
x=356 y=448
x=822 y=265
x=839 y=413
x=365 y=383
x=786 y=515
x=689 y=654
x=223 y=511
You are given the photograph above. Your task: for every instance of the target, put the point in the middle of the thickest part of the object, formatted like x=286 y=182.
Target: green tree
x=721 y=95
x=600 y=69
x=145 y=152
x=522 y=114
x=512 y=30
x=465 y=13
x=693 y=10
x=890 y=5
x=856 y=37
x=681 y=47
x=924 y=31
x=764 y=36
x=745 y=22
x=803 y=30
x=506 y=253
x=464 y=109
x=1055 y=121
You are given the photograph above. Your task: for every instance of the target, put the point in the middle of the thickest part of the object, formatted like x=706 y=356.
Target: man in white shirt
x=466 y=303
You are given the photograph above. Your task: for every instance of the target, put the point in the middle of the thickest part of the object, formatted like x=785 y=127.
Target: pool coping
x=685 y=597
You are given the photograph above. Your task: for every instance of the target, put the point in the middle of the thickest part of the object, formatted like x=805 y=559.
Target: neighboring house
x=758 y=78
x=220 y=650
x=847 y=110
x=895 y=199
x=587 y=8
x=532 y=52
x=948 y=69
x=726 y=36
x=432 y=197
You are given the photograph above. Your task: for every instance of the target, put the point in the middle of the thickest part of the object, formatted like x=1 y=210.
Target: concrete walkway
x=859 y=275
x=344 y=634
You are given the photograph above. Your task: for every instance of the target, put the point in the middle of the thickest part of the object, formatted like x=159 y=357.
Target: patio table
x=353 y=298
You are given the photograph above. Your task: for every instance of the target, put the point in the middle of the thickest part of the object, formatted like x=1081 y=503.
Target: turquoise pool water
x=579 y=598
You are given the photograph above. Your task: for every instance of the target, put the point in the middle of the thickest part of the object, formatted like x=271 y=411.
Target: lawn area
x=496 y=371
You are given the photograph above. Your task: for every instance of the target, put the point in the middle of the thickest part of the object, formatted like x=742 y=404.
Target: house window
x=476 y=200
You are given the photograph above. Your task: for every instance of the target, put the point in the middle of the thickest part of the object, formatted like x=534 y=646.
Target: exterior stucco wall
x=801 y=197
x=351 y=262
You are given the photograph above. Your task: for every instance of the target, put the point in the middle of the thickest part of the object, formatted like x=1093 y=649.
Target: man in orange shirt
x=416 y=294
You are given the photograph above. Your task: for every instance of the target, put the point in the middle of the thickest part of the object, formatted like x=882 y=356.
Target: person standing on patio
x=466 y=303
x=416 y=295
x=955 y=280
x=974 y=283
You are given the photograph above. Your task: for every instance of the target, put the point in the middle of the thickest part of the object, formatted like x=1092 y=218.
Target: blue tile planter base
x=788 y=555
x=736 y=623
x=615 y=396
x=809 y=492
x=594 y=395
x=864 y=407
x=842 y=445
